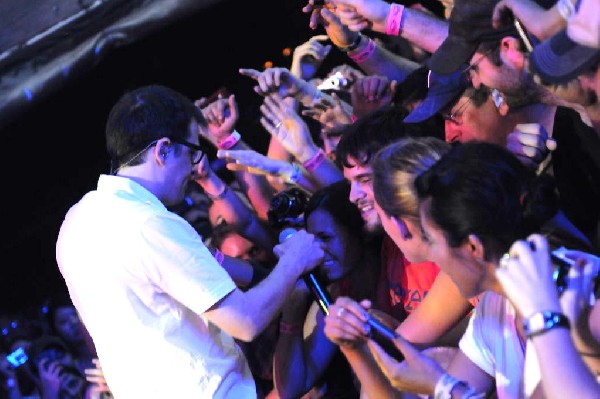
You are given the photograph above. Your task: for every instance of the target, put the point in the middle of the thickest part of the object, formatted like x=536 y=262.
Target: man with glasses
x=161 y=310
x=497 y=59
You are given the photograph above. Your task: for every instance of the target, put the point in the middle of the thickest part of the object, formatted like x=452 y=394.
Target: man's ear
x=511 y=52
x=403 y=227
x=161 y=150
x=474 y=247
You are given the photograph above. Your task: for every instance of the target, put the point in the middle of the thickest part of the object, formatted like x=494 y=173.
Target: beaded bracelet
x=229 y=141
x=394 y=21
x=364 y=54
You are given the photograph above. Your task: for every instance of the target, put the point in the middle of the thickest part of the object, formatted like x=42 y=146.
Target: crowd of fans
x=444 y=181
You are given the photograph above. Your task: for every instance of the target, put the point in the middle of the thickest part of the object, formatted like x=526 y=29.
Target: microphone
x=312 y=280
x=380 y=333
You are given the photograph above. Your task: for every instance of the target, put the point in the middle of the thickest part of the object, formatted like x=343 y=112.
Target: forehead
x=357 y=170
x=320 y=220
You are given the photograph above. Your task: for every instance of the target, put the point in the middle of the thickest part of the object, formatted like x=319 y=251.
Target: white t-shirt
x=492 y=343
x=140 y=278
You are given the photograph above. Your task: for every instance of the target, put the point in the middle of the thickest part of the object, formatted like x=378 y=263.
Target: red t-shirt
x=402 y=285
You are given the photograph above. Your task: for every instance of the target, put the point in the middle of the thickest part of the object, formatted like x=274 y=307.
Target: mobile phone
x=17 y=358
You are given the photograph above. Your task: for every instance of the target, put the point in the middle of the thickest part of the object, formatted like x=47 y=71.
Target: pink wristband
x=365 y=54
x=315 y=161
x=394 y=21
x=219 y=256
x=229 y=141
x=289 y=329
x=353 y=118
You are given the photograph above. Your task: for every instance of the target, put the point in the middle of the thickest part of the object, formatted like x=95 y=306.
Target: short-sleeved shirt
x=491 y=341
x=141 y=278
x=402 y=285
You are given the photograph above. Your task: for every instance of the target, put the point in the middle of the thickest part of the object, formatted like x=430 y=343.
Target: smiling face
x=361 y=193
x=341 y=247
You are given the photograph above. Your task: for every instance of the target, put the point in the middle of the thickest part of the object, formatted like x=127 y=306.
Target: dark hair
x=361 y=283
x=397 y=165
x=483 y=189
x=334 y=199
x=220 y=232
x=144 y=115
x=370 y=133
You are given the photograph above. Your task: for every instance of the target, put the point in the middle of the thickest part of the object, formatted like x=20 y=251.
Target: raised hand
x=370 y=93
x=256 y=163
x=283 y=122
x=333 y=118
x=309 y=56
x=362 y=14
x=221 y=116
x=275 y=80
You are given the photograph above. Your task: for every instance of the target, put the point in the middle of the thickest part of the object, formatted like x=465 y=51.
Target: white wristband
x=565 y=8
x=444 y=386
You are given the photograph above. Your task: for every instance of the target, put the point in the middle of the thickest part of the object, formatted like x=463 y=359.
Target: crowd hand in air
x=309 y=56
x=333 y=118
x=283 y=122
x=370 y=93
x=221 y=116
x=276 y=80
x=359 y=15
x=253 y=162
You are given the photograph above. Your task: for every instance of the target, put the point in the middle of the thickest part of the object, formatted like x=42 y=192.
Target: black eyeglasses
x=456 y=116
x=197 y=151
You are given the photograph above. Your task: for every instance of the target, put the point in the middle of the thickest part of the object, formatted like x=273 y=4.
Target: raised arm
x=222 y=116
x=287 y=126
x=232 y=208
x=422 y=29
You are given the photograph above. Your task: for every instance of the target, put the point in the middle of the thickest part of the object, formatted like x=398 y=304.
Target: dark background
x=54 y=153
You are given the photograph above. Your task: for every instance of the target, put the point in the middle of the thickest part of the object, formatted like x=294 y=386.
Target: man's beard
x=522 y=90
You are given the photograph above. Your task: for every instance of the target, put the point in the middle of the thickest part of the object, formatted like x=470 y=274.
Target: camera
x=560 y=271
x=286 y=208
x=17 y=358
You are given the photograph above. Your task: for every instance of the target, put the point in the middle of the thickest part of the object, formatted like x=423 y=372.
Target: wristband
x=444 y=386
x=364 y=54
x=543 y=322
x=289 y=329
x=219 y=256
x=315 y=161
x=229 y=141
x=394 y=21
x=565 y=8
x=353 y=118
x=353 y=46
